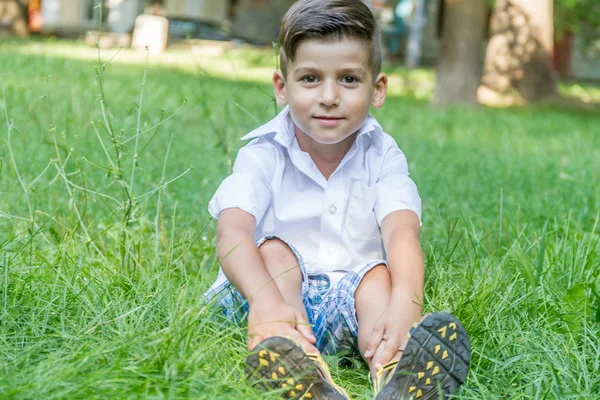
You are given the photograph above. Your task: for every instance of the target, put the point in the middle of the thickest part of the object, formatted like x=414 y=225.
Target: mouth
x=328 y=120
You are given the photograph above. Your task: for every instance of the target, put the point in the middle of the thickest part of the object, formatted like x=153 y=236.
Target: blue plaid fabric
x=330 y=311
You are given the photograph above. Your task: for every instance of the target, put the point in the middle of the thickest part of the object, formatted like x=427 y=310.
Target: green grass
x=100 y=296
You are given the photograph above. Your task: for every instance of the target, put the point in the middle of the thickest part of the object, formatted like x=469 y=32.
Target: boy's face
x=329 y=88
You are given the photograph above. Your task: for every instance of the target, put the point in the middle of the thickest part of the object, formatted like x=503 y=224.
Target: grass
x=102 y=273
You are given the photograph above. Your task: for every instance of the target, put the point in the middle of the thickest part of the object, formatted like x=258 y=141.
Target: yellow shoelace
x=383 y=374
x=324 y=370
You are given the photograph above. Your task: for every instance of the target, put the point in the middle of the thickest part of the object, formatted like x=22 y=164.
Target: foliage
x=97 y=304
x=578 y=16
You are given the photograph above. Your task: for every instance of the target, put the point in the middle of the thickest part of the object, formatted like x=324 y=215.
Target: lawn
x=106 y=245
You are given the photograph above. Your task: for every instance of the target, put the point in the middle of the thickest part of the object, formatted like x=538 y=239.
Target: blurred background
x=485 y=51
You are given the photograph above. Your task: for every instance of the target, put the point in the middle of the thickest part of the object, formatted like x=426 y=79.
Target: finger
x=309 y=348
x=305 y=344
x=390 y=349
x=374 y=341
x=306 y=332
x=377 y=355
x=373 y=366
x=403 y=342
x=304 y=327
x=253 y=340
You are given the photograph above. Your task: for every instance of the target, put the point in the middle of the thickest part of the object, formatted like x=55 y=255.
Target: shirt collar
x=283 y=128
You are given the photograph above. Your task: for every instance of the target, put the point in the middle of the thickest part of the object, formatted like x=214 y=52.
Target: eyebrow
x=361 y=73
x=346 y=71
x=305 y=71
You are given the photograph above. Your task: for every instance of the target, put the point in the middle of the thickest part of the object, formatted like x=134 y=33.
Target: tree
x=519 y=52
x=460 y=60
x=13 y=17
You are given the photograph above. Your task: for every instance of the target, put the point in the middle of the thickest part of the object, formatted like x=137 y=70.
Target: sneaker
x=280 y=363
x=433 y=365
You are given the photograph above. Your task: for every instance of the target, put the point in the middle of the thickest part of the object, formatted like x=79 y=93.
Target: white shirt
x=334 y=224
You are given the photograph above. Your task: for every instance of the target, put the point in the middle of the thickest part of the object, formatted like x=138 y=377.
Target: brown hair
x=329 y=20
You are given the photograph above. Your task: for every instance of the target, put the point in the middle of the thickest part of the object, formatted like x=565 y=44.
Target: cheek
x=299 y=116
x=300 y=102
x=361 y=104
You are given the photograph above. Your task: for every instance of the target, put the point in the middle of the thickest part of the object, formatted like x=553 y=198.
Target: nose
x=330 y=95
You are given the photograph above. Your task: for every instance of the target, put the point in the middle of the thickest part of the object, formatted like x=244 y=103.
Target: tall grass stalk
x=24 y=187
x=61 y=171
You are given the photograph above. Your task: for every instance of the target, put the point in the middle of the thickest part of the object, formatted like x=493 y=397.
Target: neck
x=326 y=157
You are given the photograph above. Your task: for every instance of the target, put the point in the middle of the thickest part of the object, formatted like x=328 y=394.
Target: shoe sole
x=278 y=363
x=435 y=361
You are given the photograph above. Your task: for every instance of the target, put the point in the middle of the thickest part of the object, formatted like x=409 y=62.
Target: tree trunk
x=562 y=54
x=13 y=17
x=459 y=64
x=519 y=52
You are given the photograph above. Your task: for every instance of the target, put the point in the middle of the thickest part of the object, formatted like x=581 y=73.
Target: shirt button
x=330 y=250
x=332 y=210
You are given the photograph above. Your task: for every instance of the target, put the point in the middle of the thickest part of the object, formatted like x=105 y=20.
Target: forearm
x=243 y=265
x=400 y=231
x=405 y=263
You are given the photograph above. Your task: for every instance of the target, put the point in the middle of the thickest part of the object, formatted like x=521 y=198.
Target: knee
x=378 y=274
x=274 y=249
x=377 y=279
x=280 y=259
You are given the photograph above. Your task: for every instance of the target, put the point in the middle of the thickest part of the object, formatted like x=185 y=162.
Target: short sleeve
x=395 y=189
x=247 y=188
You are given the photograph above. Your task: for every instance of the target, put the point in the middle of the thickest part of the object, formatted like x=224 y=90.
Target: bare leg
x=371 y=299
x=285 y=271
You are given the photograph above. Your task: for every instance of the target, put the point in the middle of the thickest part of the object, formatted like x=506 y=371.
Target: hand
x=388 y=338
x=279 y=319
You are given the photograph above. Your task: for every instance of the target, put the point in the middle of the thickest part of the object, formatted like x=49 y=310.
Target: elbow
x=234 y=227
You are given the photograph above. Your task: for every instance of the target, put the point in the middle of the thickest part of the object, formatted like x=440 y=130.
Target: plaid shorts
x=331 y=310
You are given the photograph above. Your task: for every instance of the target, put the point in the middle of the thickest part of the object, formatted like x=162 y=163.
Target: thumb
x=374 y=340
x=303 y=326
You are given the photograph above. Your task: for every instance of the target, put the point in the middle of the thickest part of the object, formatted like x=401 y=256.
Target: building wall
x=208 y=10
x=80 y=15
x=67 y=14
x=585 y=61
x=257 y=21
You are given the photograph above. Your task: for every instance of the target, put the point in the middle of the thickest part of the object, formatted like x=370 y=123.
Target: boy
x=319 y=223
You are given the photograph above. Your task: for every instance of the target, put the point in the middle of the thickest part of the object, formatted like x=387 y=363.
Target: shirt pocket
x=360 y=222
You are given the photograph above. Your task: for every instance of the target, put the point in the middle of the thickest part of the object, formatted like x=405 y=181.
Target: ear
x=380 y=90
x=279 y=88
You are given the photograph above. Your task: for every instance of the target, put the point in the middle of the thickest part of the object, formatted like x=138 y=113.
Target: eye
x=349 y=79
x=310 y=79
